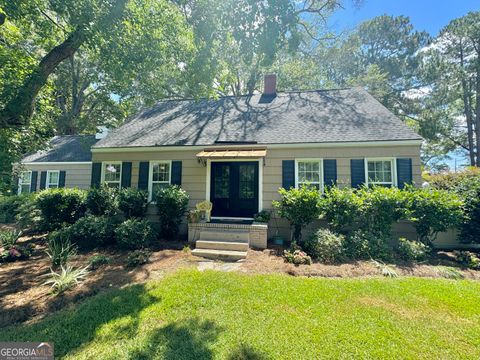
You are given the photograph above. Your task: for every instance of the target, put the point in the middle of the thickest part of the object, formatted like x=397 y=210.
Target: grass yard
x=204 y=315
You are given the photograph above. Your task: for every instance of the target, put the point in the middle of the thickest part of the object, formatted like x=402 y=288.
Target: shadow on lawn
x=189 y=339
x=71 y=329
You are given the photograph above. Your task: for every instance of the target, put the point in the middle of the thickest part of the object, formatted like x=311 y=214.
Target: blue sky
x=428 y=15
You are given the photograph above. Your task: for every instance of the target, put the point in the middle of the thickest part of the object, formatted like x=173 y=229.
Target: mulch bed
x=25 y=297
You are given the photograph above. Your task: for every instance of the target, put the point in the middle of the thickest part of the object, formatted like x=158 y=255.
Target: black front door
x=234 y=188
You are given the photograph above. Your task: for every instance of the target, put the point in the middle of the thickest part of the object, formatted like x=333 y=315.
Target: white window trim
x=47 y=184
x=19 y=191
x=393 y=167
x=103 y=172
x=320 y=161
x=150 y=175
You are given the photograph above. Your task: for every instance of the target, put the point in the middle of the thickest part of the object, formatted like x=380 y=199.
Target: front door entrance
x=234 y=188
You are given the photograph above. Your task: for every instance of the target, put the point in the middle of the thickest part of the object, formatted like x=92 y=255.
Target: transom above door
x=234 y=188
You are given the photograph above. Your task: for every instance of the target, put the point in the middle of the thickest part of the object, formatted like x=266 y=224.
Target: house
x=237 y=151
x=67 y=162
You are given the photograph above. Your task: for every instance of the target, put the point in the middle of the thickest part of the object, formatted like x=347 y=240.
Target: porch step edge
x=224 y=255
x=221 y=245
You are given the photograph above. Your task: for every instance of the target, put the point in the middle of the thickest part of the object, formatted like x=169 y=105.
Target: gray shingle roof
x=344 y=115
x=65 y=148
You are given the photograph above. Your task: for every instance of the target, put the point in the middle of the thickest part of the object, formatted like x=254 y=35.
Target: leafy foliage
x=60 y=251
x=299 y=207
x=137 y=258
x=16 y=252
x=88 y=232
x=9 y=237
x=466 y=185
x=171 y=203
x=412 y=250
x=135 y=234
x=101 y=201
x=65 y=279
x=96 y=261
x=60 y=206
x=297 y=257
x=10 y=205
x=263 y=216
x=325 y=246
x=432 y=211
x=468 y=258
x=133 y=202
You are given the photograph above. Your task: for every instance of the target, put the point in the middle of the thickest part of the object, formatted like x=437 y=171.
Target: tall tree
x=452 y=66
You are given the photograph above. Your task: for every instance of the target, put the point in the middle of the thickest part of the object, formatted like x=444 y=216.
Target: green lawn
x=203 y=315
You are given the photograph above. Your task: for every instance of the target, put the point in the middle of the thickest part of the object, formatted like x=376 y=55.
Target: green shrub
x=361 y=244
x=171 y=203
x=134 y=234
x=59 y=251
x=412 y=250
x=29 y=217
x=67 y=278
x=10 y=206
x=10 y=250
x=299 y=207
x=432 y=211
x=60 y=206
x=468 y=258
x=87 y=233
x=137 y=258
x=16 y=252
x=371 y=210
x=325 y=246
x=262 y=217
x=466 y=184
x=9 y=237
x=97 y=261
x=133 y=202
x=101 y=201
x=297 y=257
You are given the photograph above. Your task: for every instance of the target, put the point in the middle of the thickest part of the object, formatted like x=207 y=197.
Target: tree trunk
x=467 y=109
x=477 y=107
x=20 y=108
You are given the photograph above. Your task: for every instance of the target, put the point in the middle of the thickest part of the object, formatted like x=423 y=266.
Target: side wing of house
x=39 y=176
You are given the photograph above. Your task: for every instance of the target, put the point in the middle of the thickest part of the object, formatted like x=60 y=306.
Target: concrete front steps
x=222 y=244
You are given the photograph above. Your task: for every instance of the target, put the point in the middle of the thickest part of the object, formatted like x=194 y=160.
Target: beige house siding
x=194 y=173
x=76 y=175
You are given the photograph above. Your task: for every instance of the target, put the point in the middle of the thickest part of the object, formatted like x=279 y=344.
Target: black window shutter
x=404 y=172
x=61 y=179
x=126 y=180
x=96 y=174
x=43 y=180
x=357 y=168
x=330 y=172
x=177 y=173
x=143 y=175
x=288 y=174
x=33 y=184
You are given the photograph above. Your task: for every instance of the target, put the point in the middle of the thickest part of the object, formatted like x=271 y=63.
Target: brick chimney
x=270 y=84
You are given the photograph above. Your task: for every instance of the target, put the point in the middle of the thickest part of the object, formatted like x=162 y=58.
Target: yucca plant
x=60 y=252
x=67 y=278
x=450 y=273
x=385 y=270
x=9 y=238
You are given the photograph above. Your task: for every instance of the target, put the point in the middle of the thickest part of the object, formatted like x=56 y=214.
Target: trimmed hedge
x=134 y=234
x=60 y=206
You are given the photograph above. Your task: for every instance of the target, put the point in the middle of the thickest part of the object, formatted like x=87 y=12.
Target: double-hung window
x=309 y=172
x=112 y=174
x=53 y=177
x=24 y=182
x=160 y=175
x=380 y=172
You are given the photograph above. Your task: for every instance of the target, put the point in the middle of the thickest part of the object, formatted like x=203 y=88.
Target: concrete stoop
x=222 y=244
